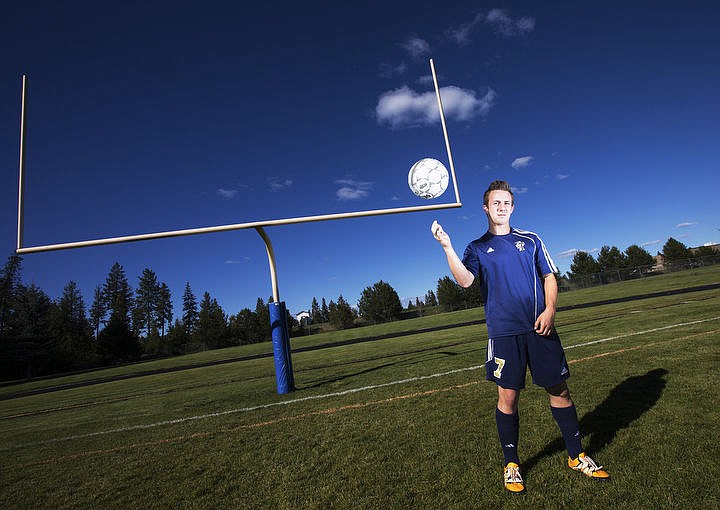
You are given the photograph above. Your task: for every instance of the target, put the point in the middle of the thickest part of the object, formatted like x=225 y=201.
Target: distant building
x=303 y=316
x=660 y=258
x=659 y=263
x=713 y=247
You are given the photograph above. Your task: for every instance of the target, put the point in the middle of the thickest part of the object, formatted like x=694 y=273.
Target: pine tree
x=97 y=310
x=638 y=257
x=176 y=339
x=145 y=312
x=263 y=317
x=190 y=311
x=379 y=303
x=118 y=295
x=31 y=324
x=341 y=315
x=212 y=323
x=165 y=308
x=332 y=312
x=611 y=258
x=324 y=311
x=583 y=264
x=675 y=250
x=244 y=327
x=449 y=294
x=72 y=330
x=9 y=286
x=430 y=299
x=315 y=313
x=117 y=342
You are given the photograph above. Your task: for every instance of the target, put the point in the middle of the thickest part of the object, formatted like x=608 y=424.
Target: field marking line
x=242 y=410
x=320 y=412
x=247 y=426
x=628 y=349
x=322 y=396
x=654 y=330
x=610 y=353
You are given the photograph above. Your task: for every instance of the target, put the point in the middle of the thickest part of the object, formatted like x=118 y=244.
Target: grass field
x=402 y=422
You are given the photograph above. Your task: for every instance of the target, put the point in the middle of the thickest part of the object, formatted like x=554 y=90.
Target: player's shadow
x=627 y=402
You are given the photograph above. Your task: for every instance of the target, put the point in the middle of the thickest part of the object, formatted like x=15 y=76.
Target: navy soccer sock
x=566 y=418
x=508 y=426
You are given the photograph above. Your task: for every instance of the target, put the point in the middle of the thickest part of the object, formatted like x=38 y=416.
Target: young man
x=519 y=289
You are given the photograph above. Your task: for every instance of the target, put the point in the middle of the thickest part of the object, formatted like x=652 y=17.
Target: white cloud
x=461 y=33
x=568 y=253
x=518 y=191
x=227 y=193
x=561 y=177
x=426 y=80
x=504 y=25
x=276 y=184
x=686 y=224
x=350 y=189
x=651 y=243
x=405 y=108
x=571 y=253
x=232 y=261
x=391 y=70
x=522 y=162
x=417 y=48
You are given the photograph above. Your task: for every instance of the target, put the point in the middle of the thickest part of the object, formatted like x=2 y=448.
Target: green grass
x=647 y=404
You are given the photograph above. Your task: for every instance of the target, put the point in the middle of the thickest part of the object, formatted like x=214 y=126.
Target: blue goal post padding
x=281 y=348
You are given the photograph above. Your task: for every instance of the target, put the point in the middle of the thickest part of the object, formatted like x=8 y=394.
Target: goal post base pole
x=281 y=348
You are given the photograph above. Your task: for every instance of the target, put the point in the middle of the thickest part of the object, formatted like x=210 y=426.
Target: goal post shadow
x=278 y=311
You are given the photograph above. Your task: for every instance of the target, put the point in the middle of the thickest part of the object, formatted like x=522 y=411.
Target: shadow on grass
x=626 y=402
x=400 y=362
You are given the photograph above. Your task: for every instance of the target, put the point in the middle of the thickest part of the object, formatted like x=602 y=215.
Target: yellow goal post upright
x=278 y=315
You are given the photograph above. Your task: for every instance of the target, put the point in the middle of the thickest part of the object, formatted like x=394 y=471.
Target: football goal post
x=278 y=312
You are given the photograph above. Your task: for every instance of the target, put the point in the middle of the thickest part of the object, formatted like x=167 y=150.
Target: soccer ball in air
x=428 y=178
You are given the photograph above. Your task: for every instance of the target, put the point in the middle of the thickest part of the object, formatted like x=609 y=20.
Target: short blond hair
x=497 y=186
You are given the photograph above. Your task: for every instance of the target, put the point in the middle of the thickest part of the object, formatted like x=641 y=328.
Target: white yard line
x=326 y=395
x=654 y=330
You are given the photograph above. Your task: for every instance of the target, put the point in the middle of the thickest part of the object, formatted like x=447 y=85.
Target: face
x=499 y=208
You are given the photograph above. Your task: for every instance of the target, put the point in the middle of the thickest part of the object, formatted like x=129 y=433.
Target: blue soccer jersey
x=511 y=269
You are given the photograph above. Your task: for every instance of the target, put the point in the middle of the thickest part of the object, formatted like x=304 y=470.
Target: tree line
x=636 y=260
x=40 y=336
x=380 y=303
x=610 y=265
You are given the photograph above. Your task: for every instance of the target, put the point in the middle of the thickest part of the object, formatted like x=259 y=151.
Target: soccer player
x=519 y=289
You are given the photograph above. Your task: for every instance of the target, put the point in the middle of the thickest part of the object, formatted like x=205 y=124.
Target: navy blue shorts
x=508 y=358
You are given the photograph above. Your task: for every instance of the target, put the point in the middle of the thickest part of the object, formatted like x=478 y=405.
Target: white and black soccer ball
x=428 y=178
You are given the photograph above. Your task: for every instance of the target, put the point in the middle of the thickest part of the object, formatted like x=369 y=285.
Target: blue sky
x=154 y=116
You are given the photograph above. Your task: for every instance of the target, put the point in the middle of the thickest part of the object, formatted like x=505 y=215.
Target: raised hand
x=439 y=234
